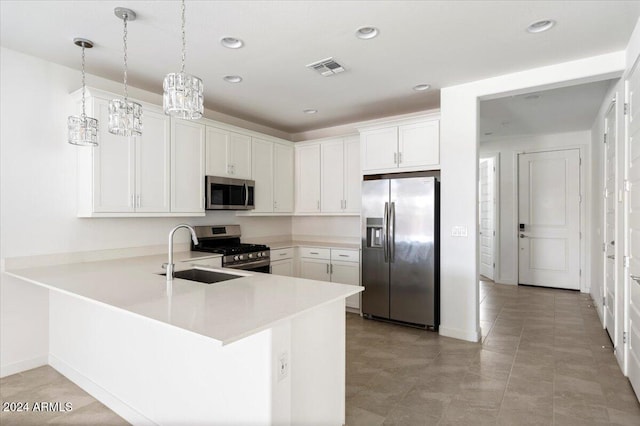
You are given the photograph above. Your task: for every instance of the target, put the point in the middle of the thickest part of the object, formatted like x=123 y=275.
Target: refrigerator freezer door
x=412 y=287
x=375 y=270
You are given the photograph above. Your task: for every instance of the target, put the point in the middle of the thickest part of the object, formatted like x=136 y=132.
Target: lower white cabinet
x=333 y=265
x=282 y=262
x=205 y=262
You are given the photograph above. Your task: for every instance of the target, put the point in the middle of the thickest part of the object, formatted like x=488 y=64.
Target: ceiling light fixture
x=83 y=130
x=367 y=33
x=421 y=87
x=232 y=78
x=183 y=93
x=231 y=42
x=125 y=116
x=541 y=26
x=309 y=111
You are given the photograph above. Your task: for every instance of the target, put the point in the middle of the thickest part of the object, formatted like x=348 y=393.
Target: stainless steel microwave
x=229 y=194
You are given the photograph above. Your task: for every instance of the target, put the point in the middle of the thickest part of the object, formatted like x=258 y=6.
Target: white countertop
x=225 y=311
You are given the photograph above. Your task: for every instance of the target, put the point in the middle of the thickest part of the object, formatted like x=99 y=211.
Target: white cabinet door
x=347 y=273
x=282 y=178
x=282 y=267
x=419 y=144
x=217 y=152
x=308 y=179
x=153 y=149
x=240 y=155
x=187 y=166
x=332 y=161
x=352 y=175
x=379 y=148
x=315 y=269
x=114 y=167
x=262 y=171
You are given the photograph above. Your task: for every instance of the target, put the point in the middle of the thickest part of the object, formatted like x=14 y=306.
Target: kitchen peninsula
x=260 y=349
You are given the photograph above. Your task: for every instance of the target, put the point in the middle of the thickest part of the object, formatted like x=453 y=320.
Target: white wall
x=508 y=180
x=38 y=201
x=326 y=228
x=459 y=189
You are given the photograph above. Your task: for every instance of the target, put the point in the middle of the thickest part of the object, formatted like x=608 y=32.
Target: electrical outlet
x=283 y=366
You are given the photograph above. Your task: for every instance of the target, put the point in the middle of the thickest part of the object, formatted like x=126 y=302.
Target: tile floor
x=544 y=360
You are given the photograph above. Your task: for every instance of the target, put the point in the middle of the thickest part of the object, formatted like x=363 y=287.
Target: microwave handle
x=246 y=194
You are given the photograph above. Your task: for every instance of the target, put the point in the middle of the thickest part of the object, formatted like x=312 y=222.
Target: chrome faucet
x=170 y=266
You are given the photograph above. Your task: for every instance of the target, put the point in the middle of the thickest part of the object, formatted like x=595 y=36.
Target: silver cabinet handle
x=343 y=255
x=282 y=254
x=611 y=256
x=318 y=204
x=395 y=158
x=139 y=200
x=636 y=278
x=133 y=200
x=327 y=268
x=313 y=252
x=399 y=157
x=331 y=268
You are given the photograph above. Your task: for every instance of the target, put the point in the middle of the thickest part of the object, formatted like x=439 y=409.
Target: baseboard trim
x=20 y=366
x=456 y=333
x=107 y=398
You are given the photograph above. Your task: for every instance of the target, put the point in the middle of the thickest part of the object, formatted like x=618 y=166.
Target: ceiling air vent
x=326 y=67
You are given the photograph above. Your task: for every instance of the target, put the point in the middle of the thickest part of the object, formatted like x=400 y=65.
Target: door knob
x=523 y=236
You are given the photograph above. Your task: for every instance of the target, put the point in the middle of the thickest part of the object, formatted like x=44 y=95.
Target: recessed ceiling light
x=232 y=78
x=232 y=42
x=366 y=33
x=541 y=26
x=309 y=111
x=421 y=87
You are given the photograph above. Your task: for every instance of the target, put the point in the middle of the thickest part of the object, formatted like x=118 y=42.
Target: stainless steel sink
x=203 y=276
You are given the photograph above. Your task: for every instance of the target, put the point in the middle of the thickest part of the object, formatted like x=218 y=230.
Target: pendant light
x=83 y=130
x=125 y=116
x=183 y=93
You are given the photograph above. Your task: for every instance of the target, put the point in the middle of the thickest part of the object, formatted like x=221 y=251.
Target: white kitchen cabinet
x=228 y=154
x=307 y=182
x=341 y=176
x=205 y=262
x=283 y=178
x=282 y=262
x=333 y=265
x=187 y=166
x=125 y=176
x=272 y=171
x=411 y=145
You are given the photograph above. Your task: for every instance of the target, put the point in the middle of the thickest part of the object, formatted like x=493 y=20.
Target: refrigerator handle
x=385 y=232
x=392 y=233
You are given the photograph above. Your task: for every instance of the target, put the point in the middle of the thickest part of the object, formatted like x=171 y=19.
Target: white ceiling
x=566 y=109
x=441 y=43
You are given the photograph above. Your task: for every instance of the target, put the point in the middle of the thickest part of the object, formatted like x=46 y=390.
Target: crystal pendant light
x=183 y=93
x=125 y=116
x=83 y=130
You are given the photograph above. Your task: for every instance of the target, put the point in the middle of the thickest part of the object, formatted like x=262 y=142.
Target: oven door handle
x=249 y=265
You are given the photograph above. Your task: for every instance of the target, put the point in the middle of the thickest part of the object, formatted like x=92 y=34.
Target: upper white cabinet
x=307 y=180
x=410 y=145
x=341 y=176
x=228 y=154
x=125 y=175
x=155 y=174
x=187 y=166
x=272 y=171
x=328 y=176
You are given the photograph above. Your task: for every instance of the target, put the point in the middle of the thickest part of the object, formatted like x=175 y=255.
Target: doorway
x=487 y=215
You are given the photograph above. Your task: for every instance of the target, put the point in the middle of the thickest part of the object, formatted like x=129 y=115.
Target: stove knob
x=236 y=257
x=259 y=255
x=251 y=256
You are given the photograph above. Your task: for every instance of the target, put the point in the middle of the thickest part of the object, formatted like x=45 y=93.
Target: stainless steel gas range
x=225 y=239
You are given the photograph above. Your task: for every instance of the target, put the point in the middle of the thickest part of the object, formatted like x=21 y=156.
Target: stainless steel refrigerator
x=400 y=250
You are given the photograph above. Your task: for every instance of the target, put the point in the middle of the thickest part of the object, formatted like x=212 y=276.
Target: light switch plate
x=459 y=231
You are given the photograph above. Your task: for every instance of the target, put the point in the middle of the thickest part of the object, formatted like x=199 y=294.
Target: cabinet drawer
x=345 y=255
x=206 y=262
x=316 y=253
x=281 y=254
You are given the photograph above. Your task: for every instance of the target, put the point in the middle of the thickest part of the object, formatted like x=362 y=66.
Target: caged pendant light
x=83 y=130
x=125 y=116
x=183 y=93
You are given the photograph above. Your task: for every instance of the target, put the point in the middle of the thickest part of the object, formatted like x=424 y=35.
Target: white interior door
x=487 y=216
x=609 y=302
x=633 y=232
x=549 y=219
